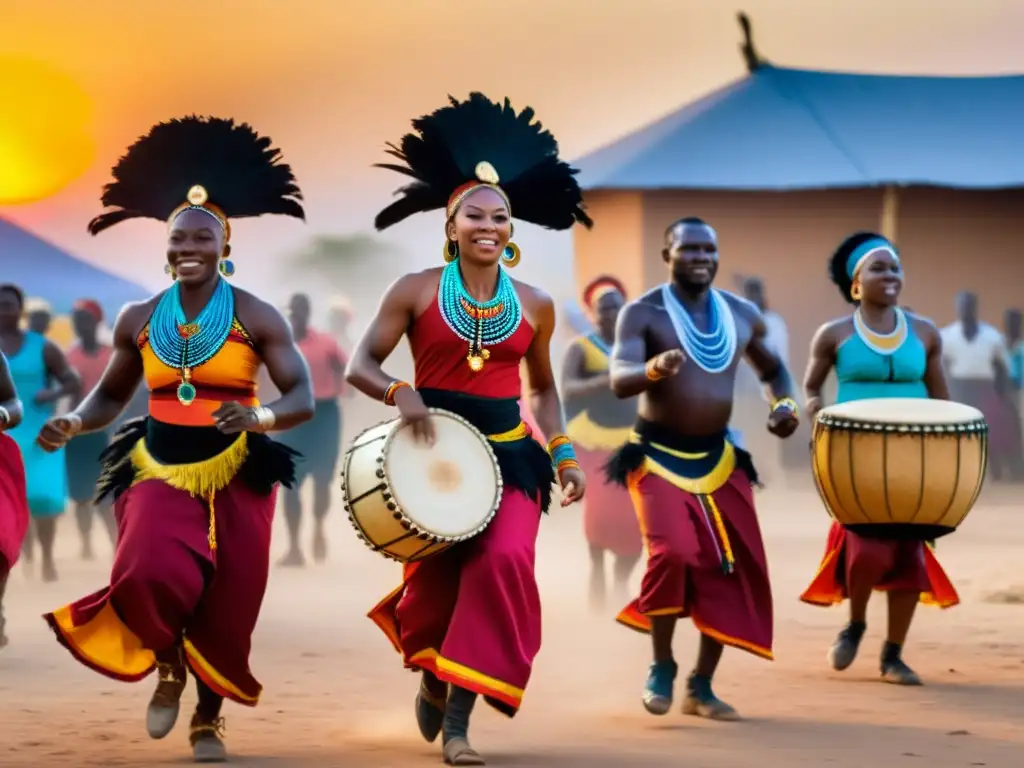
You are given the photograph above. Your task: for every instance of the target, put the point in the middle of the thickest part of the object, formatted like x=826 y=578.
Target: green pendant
x=186 y=393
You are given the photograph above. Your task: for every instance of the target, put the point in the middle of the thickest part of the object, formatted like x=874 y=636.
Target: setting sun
x=45 y=140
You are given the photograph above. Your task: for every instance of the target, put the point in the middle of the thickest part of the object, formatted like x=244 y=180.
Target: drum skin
x=374 y=509
x=892 y=480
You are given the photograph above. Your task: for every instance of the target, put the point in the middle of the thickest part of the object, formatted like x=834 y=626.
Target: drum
x=898 y=468
x=407 y=501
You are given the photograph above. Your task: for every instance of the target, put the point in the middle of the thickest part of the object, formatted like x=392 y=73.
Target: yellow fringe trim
x=201 y=479
x=593 y=437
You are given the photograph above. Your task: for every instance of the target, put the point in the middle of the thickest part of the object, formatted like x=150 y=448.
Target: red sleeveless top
x=439 y=356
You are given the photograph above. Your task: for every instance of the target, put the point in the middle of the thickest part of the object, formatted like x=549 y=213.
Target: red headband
x=91 y=306
x=598 y=288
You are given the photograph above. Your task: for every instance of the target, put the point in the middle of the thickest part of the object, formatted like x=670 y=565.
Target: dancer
x=42 y=376
x=878 y=351
x=326 y=364
x=469 y=618
x=89 y=358
x=599 y=424
x=194 y=481
x=14 y=512
x=678 y=347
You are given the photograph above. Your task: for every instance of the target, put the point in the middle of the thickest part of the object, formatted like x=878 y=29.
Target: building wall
x=615 y=246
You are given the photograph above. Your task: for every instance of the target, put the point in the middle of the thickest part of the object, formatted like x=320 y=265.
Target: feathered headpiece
x=598 y=287
x=206 y=163
x=469 y=144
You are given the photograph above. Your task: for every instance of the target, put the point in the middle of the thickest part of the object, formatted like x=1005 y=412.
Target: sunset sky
x=332 y=80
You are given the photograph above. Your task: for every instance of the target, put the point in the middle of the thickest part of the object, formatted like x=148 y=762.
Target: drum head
x=896 y=411
x=449 y=489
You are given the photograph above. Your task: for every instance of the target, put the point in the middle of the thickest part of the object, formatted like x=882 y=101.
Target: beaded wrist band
x=563 y=455
x=651 y=372
x=786 y=402
x=393 y=387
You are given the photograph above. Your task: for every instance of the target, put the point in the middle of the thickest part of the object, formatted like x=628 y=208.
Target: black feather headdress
x=478 y=140
x=238 y=171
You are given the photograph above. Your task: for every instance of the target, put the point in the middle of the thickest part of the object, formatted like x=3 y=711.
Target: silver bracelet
x=264 y=417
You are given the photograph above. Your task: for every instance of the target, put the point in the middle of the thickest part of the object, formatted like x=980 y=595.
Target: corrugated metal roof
x=783 y=128
x=45 y=271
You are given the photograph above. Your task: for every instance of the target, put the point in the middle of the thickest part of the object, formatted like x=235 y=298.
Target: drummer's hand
x=573 y=483
x=232 y=418
x=783 y=422
x=414 y=413
x=56 y=433
x=668 y=363
x=812 y=407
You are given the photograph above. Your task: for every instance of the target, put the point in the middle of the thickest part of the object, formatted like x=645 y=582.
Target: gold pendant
x=476 y=363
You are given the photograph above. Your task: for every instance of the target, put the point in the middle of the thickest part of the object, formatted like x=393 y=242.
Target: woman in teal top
x=41 y=376
x=879 y=351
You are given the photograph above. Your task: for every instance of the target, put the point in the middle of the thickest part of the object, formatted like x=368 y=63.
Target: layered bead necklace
x=184 y=346
x=882 y=343
x=712 y=351
x=480 y=324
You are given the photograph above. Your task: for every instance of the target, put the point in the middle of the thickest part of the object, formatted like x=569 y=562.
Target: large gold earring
x=451 y=251
x=169 y=270
x=855 y=292
x=510 y=256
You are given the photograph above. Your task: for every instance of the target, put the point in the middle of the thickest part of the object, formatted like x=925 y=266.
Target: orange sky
x=332 y=80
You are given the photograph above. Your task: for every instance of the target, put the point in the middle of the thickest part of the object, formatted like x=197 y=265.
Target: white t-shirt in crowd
x=973 y=359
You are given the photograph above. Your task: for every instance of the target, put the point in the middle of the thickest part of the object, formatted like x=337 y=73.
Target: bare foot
x=294 y=559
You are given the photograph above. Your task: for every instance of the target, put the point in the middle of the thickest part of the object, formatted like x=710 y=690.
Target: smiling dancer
x=470 y=616
x=878 y=351
x=13 y=499
x=194 y=482
x=678 y=347
x=599 y=424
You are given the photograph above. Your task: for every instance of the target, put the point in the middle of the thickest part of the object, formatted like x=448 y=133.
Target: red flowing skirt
x=908 y=566
x=168 y=585
x=471 y=614
x=685 y=549
x=609 y=520
x=14 y=514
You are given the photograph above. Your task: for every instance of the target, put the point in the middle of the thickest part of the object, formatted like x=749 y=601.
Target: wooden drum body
x=409 y=501
x=899 y=468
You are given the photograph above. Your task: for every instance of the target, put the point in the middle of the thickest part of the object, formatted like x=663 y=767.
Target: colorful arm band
x=563 y=455
x=786 y=402
x=651 y=372
x=393 y=387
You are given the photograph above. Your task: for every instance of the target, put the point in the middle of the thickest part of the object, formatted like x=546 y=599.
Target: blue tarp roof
x=44 y=271
x=783 y=128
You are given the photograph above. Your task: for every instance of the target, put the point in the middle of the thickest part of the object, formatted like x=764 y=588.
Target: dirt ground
x=335 y=693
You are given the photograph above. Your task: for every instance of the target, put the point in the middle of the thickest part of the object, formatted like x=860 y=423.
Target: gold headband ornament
x=198 y=199
x=486 y=176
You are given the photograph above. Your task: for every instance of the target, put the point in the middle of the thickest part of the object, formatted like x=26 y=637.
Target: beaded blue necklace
x=481 y=324
x=712 y=351
x=177 y=343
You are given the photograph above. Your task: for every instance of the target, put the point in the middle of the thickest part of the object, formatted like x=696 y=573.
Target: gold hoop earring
x=169 y=271
x=450 y=251
x=855 y=292
x=511 y=255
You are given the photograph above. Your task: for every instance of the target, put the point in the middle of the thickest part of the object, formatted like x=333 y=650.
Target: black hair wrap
x=240 y=170
x=445 y=147
x=837 y=266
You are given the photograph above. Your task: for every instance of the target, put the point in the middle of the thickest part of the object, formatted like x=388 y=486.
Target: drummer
x=470 y=617
x=880 y=350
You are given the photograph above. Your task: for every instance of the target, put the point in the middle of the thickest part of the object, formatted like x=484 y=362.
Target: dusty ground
x=336 y=695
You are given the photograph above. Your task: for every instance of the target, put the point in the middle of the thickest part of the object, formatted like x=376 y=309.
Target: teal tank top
x=864 y=373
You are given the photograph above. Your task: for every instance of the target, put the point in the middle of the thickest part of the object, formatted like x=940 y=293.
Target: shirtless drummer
x=678 y=347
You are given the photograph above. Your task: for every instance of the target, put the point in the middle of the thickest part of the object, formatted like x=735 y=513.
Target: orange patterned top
x=230 y=375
